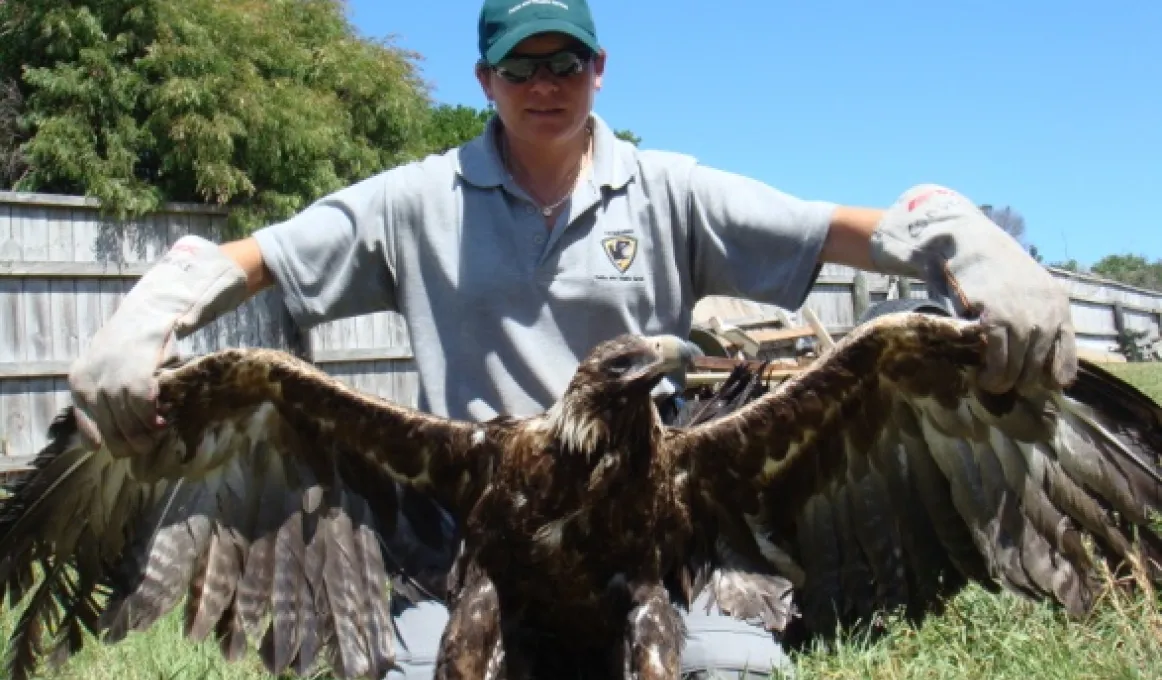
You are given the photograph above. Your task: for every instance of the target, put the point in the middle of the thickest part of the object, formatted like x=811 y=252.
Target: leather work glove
x=112 y=382
x=979 y=271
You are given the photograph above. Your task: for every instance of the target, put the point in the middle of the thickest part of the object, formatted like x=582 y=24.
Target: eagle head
x=611 y=390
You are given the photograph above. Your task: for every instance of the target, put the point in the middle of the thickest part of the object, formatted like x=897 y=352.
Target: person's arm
x=753 y=241
x=329 y=260
x=112 y=381
x=849 y=237
x=937 y=235
x=750 y=240
x=248 y=256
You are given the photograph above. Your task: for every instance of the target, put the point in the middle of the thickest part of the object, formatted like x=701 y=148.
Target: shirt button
x=539 y=239
x=530 y=210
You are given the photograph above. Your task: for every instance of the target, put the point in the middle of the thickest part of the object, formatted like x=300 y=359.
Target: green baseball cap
x=504 y=23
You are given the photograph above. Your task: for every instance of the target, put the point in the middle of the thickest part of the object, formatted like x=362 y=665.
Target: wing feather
x=922 y=559
x=820 y=554
x=315 y=623
x=934 y=490
x=343 y=583
x=905 y=481
x=879 y=537
x=264 y=508
x=28 y=640
x=376 y=617
x=856 y=576
x=281 y=643
x=255 y=586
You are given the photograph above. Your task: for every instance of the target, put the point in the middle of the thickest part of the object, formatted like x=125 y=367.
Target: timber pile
x=775 y=341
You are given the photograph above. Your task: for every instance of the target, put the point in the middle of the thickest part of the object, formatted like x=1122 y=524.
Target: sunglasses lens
x=517 y=69
x=565 y=64
x=520 y=69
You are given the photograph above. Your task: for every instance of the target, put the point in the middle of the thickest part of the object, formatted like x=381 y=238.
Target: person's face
x=546 y=108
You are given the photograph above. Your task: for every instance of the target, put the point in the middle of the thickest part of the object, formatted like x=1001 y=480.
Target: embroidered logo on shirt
x=621 y=251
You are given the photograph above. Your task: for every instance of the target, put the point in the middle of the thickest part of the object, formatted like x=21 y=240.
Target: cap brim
x=505 y=44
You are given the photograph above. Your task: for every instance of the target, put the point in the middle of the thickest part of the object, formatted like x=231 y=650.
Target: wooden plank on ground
x=775 y=336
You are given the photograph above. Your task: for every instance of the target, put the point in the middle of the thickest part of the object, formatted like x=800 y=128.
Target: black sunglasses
x=565 y=63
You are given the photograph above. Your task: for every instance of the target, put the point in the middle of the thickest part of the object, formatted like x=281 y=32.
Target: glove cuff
x=190 y=286
x=936 y=234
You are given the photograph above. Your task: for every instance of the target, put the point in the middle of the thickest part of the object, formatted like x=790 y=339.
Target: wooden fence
x=63 y=270
x=1101 y=309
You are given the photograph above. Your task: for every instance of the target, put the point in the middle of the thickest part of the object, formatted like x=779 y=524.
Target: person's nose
x=544 y=82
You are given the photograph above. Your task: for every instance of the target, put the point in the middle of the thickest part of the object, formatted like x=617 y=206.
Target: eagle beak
x=674 y=353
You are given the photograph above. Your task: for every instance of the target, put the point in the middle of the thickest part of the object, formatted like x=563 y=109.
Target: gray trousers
x=717 y=645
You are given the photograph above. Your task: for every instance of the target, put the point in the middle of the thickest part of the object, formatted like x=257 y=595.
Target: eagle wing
x=267 y=506
x=883 y=479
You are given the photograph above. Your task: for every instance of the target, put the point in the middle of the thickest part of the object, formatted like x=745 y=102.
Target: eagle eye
x=619 y=365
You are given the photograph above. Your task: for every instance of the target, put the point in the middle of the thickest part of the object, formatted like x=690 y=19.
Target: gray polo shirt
x=501 y=309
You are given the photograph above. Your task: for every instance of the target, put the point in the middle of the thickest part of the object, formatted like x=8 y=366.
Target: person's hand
x=936 y=234
x=113 y=381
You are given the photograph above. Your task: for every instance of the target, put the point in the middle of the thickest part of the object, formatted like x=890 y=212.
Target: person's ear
x=484 y=77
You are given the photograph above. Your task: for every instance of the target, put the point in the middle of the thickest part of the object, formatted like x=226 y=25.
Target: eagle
x=879 y=479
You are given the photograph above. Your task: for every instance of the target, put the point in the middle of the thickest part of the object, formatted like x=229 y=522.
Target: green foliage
x=628 y=136
x=1133 y=344
x=451 y=126
x=261 y=105
x=1133 y=270
x=1070 y=265
x=11 y=111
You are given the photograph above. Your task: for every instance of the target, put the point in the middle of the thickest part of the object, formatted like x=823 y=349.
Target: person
x=514 y=254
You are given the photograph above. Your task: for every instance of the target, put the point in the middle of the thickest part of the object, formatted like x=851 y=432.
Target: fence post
x=904 y=287
x=1124 y=343
x=1119 y=318
x=860 y=295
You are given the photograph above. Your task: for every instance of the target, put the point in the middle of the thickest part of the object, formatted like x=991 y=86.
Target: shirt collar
x=614 y=160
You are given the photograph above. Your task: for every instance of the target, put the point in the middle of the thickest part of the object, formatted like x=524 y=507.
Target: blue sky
x=1054 y=108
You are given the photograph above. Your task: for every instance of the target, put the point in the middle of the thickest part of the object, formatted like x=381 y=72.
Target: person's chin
x=549 y=124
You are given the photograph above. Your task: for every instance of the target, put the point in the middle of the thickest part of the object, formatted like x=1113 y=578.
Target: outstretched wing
x=265 y=508
x=882 y=478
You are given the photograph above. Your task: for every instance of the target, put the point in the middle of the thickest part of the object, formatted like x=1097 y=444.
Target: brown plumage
x=880 y=478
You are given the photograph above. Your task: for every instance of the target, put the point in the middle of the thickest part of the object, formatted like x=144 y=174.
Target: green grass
x=157 y=654
x=1007 y=638
x=979 y=636
x=1145 y=376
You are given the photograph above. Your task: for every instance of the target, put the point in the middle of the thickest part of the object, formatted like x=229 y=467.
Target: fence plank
x=11 y=319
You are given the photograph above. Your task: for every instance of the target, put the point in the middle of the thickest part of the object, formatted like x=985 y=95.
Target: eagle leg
x=654 y=635
x=471 y=646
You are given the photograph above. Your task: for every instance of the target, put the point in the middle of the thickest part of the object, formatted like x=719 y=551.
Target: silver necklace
x=547 y=210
